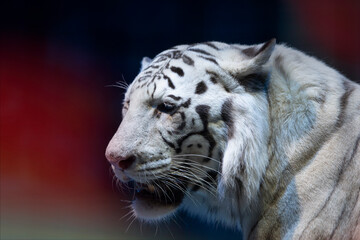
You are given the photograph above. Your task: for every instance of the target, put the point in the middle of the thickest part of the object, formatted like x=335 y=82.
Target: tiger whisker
x=163 y=191
x=173 y=219
x=184 y=191
x=121 y=84
x=126 y=215
x=170 y=190
x=198 y=155
x=197 y=164
x=127 y=229
x=199 y=172
x=116 y=86
x=197 y=182
x=165 y=178
x=169 y=231
x=197 y=168
x=156 y=230
x=127 y=207
x=123 y=80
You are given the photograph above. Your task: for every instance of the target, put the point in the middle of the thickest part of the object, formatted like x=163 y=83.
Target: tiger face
x=178 y=142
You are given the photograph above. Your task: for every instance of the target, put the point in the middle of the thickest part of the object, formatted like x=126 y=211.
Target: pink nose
x=122 y=162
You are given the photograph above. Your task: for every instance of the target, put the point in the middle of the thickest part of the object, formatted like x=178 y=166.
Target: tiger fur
x=261 y=138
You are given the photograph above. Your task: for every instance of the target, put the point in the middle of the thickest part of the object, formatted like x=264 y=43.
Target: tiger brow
x=174 y=97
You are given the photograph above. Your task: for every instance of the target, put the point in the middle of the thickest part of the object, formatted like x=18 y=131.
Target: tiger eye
x=166 y=107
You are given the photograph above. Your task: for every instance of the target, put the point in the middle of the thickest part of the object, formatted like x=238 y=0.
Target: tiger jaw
x=162 y=192
x=156 y=198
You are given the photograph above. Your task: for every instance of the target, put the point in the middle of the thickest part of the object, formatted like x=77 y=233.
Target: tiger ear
x=145 y=62
x=261 y=55
x=247 y=66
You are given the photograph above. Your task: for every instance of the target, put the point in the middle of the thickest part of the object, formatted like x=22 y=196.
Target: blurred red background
x=56 y=116
x=52 y=140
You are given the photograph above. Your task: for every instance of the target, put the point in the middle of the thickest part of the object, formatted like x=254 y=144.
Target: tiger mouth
x=161 y=192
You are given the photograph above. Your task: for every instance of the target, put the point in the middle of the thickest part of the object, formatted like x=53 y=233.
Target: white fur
x=293 y=146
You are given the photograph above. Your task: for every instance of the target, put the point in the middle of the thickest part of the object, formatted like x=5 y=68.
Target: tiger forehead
x=185 y=57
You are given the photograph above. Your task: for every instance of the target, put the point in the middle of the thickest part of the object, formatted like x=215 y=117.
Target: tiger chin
x=261 y=138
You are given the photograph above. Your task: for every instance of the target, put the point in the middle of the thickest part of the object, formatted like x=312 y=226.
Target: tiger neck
x=296 y=109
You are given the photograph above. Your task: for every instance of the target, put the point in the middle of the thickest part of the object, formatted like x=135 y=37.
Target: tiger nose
x=121 y=161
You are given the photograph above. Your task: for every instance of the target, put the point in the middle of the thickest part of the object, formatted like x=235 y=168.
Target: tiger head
x=194 y=128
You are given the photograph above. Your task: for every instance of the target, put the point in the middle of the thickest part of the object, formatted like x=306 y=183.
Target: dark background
x=57 y=116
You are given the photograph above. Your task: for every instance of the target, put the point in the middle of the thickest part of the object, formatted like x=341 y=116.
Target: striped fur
x=261 y=138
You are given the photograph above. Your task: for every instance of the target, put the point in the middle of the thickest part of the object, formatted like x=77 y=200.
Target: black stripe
x=209 y=59
x=200 y=51
x=153 y=66
x=186 y=104
x=200 y=88
x=213 y=76
x=166 y=55
x=213 y=80
x=253 y=228
x=203 y=111
x=151 y=81
x=226 y=110
x=161 y=59
x=212 y=45
x=170 y=83
x=357 y=221
x=183 y=123
x=177 y=70
x=152 y=95
x=188 y=60
x=167 y=142
x=174 y=97
x=340 y=219
x=176 y=54
x=345 y=164
x=143 y=78
x=343 y=103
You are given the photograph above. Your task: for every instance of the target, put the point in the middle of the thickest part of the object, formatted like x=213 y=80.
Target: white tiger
x=261 y=138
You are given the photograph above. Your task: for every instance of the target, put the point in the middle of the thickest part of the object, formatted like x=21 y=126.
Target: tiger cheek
x=195 y=144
